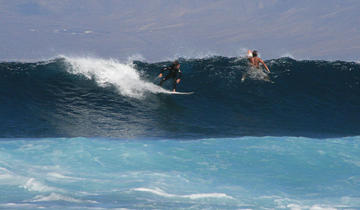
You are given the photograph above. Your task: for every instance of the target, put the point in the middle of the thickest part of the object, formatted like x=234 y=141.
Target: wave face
x=237 y=173
x=70 y=97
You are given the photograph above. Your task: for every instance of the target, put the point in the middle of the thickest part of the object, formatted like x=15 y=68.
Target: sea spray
x=111 y=72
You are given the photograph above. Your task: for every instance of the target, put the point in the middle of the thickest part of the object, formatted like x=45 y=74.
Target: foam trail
x=34 y=185
x=111 y=72
x=190 y=196
x=314 y=207
x=58 y=197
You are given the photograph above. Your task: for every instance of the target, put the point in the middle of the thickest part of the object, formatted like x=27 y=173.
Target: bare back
x=255 y=61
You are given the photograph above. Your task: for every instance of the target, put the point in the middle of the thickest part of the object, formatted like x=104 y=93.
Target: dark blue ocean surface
x=70 y=97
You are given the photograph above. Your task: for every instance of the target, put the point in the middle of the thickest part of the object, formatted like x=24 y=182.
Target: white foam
x=57 y=176
x=5 y=173
x=242 y=52
x=110 y=72
x=9 y=178
x=136 y=57
x=58 y=197
x=33 y=185
x=192 y=54
x=257 y=74
x=314 y=207
x=287 y=55
x=190 y=196
x=21 y=206
x=287 y=203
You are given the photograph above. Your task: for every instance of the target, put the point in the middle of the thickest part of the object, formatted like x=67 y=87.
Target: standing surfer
x=255 y=62
x=174 y=73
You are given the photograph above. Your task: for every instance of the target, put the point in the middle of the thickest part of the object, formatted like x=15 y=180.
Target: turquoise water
x=233 y=173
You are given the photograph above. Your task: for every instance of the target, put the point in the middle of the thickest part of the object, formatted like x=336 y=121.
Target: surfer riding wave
x=174 y=73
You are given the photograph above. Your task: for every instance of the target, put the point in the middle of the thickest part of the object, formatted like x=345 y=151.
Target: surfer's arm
x=265 y=65
x=179 y=76
x=162 y=71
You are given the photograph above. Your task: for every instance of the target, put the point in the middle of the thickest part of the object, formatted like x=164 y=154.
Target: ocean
x=95 y=133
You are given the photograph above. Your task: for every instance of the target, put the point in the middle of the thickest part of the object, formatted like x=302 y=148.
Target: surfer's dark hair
x=176 y=62
x=254 y=53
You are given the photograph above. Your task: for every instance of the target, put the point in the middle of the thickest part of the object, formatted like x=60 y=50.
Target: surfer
x=174 y=73
x=255 y=62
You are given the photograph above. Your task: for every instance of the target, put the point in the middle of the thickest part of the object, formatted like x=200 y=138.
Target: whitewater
x=111 y=72
x=94 y=133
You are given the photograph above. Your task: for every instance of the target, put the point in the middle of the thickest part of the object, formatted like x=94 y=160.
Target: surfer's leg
x=174 y=84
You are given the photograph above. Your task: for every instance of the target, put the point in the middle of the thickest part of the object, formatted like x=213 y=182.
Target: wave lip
x=111 y=72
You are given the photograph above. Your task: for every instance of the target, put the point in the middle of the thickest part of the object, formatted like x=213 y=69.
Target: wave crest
x=111 y=72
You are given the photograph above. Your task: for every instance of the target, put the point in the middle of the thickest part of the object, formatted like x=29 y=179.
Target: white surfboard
x=250 y=55
x=182 y=93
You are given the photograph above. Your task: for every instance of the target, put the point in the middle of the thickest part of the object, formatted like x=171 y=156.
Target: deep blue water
x=90 y=133
x=71 y=97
